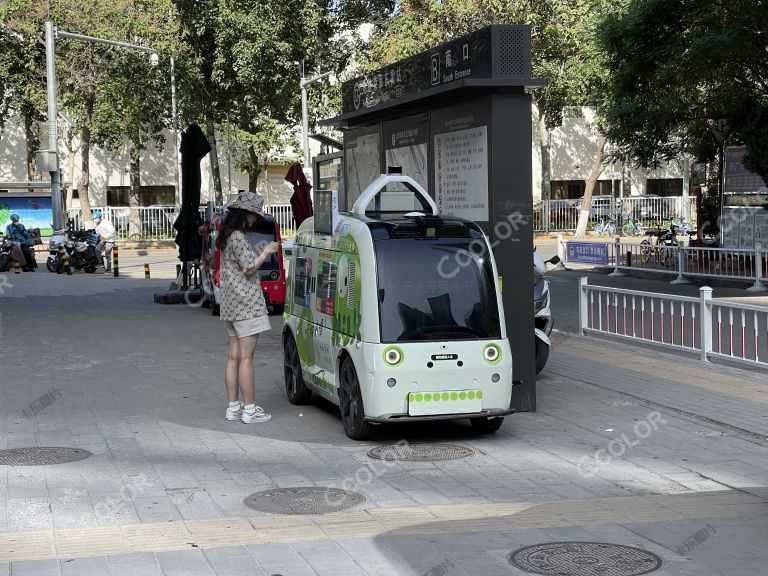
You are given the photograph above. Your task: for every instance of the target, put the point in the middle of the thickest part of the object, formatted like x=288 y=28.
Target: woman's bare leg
x=247 y=347
x=230 y=374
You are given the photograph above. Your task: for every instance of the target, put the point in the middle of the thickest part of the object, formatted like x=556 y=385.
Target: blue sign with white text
x=586 y=252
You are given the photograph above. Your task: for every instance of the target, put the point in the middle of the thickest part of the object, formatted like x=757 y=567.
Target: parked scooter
x=80 y=246
x=7 y=252
x=543 y=321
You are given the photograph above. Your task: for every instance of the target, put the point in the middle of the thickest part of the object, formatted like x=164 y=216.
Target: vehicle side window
x=304 y=282
x=326 y=287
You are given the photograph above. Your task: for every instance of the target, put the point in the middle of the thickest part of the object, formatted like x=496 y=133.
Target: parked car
x=562 y=214
x=602 y=205
x=271 y=275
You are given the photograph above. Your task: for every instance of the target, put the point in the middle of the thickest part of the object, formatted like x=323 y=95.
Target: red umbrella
x=301 y=201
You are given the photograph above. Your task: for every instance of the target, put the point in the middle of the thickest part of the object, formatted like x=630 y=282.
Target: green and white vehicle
x=393 y=313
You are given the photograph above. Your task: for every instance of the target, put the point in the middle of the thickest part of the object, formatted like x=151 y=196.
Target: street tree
x=676 y=64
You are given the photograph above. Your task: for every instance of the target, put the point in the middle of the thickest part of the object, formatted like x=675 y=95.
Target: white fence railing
x=715 y=329
x=156 y=222
x=743 y=264
x=555 y=215
x=680 y=261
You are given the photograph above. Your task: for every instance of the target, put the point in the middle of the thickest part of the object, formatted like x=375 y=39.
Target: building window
x=148 y=195
x=665 y=186
x=567 y=189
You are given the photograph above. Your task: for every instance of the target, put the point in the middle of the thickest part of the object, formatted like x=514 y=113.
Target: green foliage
x=675 y=62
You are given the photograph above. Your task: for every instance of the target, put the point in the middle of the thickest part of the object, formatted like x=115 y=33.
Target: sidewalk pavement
x=629 y=446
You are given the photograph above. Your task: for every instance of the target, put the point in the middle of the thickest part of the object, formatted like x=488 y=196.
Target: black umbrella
x=194 y=147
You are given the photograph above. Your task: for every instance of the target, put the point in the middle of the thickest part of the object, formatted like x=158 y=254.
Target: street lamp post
x=51 y=33
x=304 y=113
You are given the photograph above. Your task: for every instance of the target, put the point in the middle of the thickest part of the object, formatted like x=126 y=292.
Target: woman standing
x=242 y=304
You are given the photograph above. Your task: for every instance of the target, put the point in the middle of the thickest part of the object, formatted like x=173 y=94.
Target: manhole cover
x=420 y=452
x=41 y=456
x=584 y=559
x=303 y=500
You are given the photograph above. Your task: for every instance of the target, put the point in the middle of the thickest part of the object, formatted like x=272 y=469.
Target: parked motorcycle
x=80 y=246
x=543 y=321
x=6 y=252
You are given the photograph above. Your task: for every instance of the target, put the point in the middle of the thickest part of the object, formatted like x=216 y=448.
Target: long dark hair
x=235 y=219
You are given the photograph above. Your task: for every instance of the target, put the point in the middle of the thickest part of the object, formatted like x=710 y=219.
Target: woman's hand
x=270 y=248
x=266 y=251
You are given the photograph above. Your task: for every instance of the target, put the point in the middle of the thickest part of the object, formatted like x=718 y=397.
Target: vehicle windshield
x=435 y=289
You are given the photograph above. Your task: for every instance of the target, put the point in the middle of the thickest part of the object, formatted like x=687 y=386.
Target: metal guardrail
x=156 y=222
x=562 y=215
x=743 y=264
x=715 y=329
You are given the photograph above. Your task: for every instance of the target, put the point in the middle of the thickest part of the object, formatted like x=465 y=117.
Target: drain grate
x=584 y=559
x=420 y=452
x=303 y=500
x=41 y=456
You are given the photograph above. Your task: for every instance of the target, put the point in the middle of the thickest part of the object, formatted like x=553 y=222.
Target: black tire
x=90 y=269
x=487 y=425
x=5 y=263
x=542 y=355
x=206 y=301
x=215 y=309
x=295 y=389
x=645 y=251
x=351 y=403
x=278 y=309
x=50 y=263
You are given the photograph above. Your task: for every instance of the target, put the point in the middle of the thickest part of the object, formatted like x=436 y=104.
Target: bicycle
x=666 y=244
x=602 y=227
x=631 y=228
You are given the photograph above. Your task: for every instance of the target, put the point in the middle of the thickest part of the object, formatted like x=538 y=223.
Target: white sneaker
x=258 y=415
x=235 y=413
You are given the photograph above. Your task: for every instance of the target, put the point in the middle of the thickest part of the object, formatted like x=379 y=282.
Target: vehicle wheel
x=50 y=264
x=5 y=262
x=351 y=403
x=278 y=309
x=486 y=425
x=295 y=389
x=628 y=230
x=215 y=310
x=542 y=355
x=645 y=251
x=206 y=301
x=90 y=269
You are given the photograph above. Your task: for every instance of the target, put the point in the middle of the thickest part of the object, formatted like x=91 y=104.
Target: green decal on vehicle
x=305 y=339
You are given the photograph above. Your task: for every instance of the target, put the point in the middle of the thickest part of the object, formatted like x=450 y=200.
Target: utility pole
x=53 y=127
x=305 y=114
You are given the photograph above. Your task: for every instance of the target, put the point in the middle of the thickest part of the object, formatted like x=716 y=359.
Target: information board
x=586 y=252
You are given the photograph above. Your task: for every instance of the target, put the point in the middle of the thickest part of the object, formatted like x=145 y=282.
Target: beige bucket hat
x=249 y=201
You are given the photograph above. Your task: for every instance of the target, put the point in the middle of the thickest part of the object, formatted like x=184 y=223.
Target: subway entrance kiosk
x=457 y=119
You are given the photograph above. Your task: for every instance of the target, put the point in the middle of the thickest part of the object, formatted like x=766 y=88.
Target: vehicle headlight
x=393 y=356
x=492 y=353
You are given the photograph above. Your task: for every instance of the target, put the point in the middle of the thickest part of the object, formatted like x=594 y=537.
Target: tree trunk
x=210 y=132
x=546 y=160
x=134 y=193
x=32 y=133
x=84 y=184
x=597 y=168
x=253 y=169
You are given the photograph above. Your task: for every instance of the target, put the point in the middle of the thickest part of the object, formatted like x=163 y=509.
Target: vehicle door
x=324 y=310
